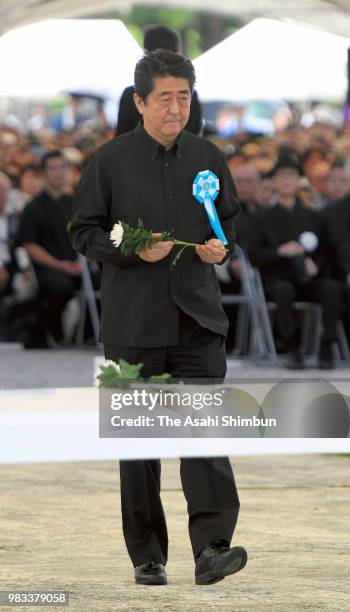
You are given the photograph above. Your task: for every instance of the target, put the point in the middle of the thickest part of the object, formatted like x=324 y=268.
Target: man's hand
x=72 y=268
x=236 y=268
x=310 y=267
x=156 y=252
x=290 y=249
x=4 y=276
x=212 y=252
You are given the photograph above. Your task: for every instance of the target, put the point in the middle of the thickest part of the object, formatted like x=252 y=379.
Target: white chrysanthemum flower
x=108 y=362
x=112 y=363
x=309 y=241
x=116 y=234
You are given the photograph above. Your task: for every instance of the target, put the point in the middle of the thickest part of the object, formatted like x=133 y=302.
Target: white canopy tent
x=92 y=56
x=330 y=15
x=270 y=59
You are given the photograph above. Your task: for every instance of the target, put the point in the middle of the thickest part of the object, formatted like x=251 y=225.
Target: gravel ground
x=61 y=530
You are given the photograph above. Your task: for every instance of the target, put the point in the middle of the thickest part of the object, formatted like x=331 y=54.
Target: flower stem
x=190 y=243
x=186 y=243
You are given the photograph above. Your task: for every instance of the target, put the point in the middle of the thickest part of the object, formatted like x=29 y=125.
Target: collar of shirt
x=290 y=209
x=46 y=194
x=153 y=147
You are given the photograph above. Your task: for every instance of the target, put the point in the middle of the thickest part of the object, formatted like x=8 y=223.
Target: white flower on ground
x=116 y=234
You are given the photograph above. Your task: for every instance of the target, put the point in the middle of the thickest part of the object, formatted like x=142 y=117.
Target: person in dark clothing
x=8 y=260
x=155 y=37
x=338 y=217
x=337 y=183
x=338 y=224
x=170 y=319
x=43 y=232
x=288 y=244
x=16 y=289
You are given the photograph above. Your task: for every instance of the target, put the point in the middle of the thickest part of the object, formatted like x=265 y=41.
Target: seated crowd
x=294 y=227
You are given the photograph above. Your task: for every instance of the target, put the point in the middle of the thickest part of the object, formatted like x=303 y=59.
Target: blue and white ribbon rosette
x=205 y=189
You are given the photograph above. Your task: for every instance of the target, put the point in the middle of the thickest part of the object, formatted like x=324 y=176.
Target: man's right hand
x=290 y=249
x=156 y=252
x=4 y=276
x=70 y=267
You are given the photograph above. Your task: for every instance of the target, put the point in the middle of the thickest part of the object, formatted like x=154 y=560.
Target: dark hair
x=161 y=37
x=287 y=159
x=50 y=155
x=338 y=162
x=315 y=147
x=161 y=63
x=30 y=168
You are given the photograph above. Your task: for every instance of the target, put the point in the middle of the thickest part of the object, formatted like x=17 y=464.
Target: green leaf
x=129 y=371
x=159 y=378
x=177 y=256
x=108 y=376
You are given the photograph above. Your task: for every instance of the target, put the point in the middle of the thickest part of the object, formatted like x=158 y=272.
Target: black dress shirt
x=277 y=225
x=338 y=224
x=44 y=222
x=245 y=223
x=134 y=177
x=129 y=117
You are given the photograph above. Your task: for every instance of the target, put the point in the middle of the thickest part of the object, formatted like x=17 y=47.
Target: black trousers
x=208 y=483
x=56 y=288
x=326 y=292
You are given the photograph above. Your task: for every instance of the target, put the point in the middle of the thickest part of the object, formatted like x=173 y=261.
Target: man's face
x=265 y=192
x=337 y=184
x=246 y=180
x=30 y=182
x=318 y=175
x=56 y=173
x=166 y=109
x=286 y=181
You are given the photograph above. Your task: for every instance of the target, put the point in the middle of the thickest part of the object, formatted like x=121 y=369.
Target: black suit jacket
x=338 y=224
x=133 y=176
x=129 y=117
x=277 y=225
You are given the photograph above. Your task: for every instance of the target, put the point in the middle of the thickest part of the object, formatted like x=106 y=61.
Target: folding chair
x=254 y=319
x=87 y=300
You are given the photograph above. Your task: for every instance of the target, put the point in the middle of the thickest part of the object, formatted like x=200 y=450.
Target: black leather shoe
x=216 y=562
x=150 y=573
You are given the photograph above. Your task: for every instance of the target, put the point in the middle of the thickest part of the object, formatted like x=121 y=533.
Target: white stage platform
x=62 y=425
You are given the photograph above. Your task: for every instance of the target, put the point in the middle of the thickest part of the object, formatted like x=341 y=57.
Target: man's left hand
x=212 y=252
x=310 y=267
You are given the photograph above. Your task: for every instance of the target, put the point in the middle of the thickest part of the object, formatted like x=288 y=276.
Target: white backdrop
x=270 y=59
x=95 y=56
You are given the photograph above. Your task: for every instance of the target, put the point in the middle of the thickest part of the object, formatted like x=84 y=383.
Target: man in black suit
x=338 y=223
x=170 y=319
x=155 y=37
x=43 y=232
x=288 y=242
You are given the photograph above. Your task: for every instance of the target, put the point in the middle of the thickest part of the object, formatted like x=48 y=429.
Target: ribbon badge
x=205 y=189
